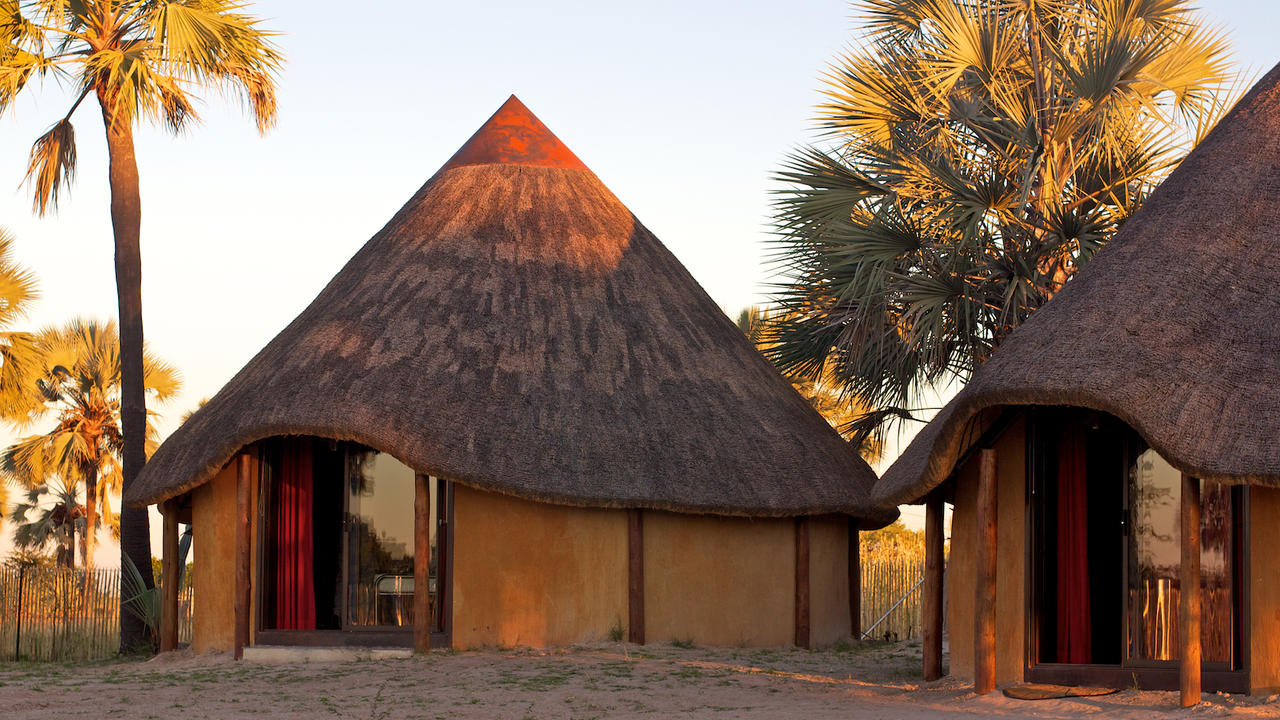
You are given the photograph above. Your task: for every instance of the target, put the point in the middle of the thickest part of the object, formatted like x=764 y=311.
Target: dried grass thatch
x=516 y=329
x=1174 y=327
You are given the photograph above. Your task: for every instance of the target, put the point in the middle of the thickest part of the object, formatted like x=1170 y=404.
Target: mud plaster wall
x=213 y=535
x=719 y=581
x=1263 y=586
x=1011 y=561
x=528 y=573
x=828 y=580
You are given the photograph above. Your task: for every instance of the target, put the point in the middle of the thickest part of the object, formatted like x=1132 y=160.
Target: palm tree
x=81 y=389
x=838 y=408
x=19 y=357
x=41 y=524
x=139 y=59
x=980 y=152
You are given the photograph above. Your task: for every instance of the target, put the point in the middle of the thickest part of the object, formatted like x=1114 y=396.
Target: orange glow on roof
x=514 y=136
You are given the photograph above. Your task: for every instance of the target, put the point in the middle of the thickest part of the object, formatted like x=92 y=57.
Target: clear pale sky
x=682 y=108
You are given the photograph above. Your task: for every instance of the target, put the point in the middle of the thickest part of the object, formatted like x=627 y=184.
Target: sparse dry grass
x=870 y=680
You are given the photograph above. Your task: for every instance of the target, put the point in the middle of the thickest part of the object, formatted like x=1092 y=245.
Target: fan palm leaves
x=19 y=358
x=977 y=154
x=49 y=516
x=81 y=393
x=839 y=409
x=137 y=60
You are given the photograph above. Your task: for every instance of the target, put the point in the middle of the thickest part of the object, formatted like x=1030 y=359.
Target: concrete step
x=293 y=654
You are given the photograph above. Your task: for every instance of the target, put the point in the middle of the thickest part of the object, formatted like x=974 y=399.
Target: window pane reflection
x=1155 y=497
x=379 y=540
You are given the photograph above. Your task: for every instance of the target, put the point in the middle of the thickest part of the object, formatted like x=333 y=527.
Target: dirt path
x=604 y=681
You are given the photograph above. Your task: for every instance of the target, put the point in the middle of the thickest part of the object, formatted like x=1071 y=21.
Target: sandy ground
x=872 y=680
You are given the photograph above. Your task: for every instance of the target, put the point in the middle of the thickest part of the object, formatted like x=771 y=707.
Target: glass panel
x=1155 y=556
x=1217 y=551
x=380 y=499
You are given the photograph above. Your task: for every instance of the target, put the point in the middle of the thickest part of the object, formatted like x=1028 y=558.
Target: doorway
x=336 y=546
x=1105 y=556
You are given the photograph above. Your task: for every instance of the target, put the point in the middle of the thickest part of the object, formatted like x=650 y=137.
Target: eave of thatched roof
x=1174 y=327
x=516 y=329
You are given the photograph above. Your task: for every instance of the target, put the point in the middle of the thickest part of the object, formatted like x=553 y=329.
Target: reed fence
x=61 y=614
x=891 y=597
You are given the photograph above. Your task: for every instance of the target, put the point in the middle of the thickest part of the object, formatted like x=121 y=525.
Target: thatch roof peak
x=514 y=136
x=515 y=328
x=1172 y=327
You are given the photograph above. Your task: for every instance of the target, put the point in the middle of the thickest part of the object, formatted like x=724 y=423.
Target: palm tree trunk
x=90 y=516
x=126 y=220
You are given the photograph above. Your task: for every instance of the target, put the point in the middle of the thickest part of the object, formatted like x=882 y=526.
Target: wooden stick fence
x=60 y=614
x=888 y=582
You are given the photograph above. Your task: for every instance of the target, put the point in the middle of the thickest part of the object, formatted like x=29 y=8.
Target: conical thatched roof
x=1174 y=327
x=515 y=328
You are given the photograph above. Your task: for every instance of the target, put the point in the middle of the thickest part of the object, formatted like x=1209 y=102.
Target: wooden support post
x=984 y=605
x=169 y=577
x=635 y=576
x=855 y=581
x=243 y=550
x=934 y=562
x=802 y=582
x=1189 y=593
x=422 y=564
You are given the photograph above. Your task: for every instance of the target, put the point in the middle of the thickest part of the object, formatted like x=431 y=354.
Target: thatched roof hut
x=1173 y=327
x=516 y=329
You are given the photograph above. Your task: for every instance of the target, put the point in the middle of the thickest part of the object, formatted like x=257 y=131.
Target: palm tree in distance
x=138 y=59
x=81 y=390
x=39 y=522
x=838 y=408
x=20 y=363
x=19 y=357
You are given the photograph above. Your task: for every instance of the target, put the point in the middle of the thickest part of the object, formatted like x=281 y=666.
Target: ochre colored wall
x=527 y=573
x=828 y=580
x=1263 y=586
x=1011 y=561
x=213 y=535
x=719 y=581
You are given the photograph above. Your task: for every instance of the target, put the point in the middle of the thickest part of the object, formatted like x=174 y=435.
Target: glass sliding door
x=380 y=540
x=1155 y=557
x=1105 y=556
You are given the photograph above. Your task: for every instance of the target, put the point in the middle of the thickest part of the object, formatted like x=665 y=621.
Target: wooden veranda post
x=984 y=616
x=243 y=550
x=635 y=576
x=422 y=564
x=1189 y=593
x=934 y=562
x=802 y=583
x=169 y=577
x=855 y=580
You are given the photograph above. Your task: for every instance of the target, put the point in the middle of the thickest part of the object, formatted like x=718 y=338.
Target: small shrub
x=615 y=632
x=685 y=644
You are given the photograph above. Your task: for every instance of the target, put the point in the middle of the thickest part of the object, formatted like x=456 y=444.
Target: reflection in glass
x=1155 y=497
x=380 y=539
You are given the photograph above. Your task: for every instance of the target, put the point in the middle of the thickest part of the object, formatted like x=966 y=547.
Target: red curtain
x=295 y=576
x=1073 y=548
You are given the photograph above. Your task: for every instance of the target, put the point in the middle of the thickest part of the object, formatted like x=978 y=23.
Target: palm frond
x=976 y=156
x=52 y=163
